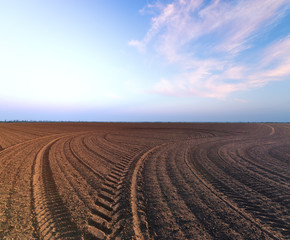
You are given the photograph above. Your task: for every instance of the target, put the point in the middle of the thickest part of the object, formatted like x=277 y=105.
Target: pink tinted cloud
x=176 y=33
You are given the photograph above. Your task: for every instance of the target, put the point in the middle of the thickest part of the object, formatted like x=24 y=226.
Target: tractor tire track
x=107 y=218
x=145 y=181
x=133 y=196
x=52 y=217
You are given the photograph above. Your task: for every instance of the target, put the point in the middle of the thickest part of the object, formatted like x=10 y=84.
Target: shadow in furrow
x=106 y=218
x=57 y=222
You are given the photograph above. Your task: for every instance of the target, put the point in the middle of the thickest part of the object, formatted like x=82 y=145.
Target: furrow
x=206 y=177
x=84 y=163
x=133 y=195
x=167 y=213
x=106 y=218
x=53 y=224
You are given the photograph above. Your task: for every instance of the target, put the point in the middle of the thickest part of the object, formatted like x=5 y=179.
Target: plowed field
x=144 y=181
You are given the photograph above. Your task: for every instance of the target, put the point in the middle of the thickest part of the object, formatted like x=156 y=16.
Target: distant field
x=144 y=181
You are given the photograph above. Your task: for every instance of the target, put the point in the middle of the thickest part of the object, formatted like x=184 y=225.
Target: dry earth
x=144 y=181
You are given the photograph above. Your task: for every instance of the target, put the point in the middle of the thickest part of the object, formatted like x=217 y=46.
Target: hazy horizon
x=145 y=61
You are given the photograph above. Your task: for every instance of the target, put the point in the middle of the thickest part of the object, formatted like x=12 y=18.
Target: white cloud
x=138 y=44
x=275 y=63
x=205 y=40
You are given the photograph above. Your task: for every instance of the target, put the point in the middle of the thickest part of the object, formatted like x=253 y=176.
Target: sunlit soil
x=144 y=181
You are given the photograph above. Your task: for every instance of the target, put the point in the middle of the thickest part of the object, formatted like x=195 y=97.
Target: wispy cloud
x=274 y=64
x=205 y=40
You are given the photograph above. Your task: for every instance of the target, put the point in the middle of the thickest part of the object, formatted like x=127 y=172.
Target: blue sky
x=198 y=60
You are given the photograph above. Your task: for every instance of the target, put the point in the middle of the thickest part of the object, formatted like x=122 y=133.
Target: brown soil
x=144 y=181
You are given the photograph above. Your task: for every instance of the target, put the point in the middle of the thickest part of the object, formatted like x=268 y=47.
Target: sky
x=180 y=61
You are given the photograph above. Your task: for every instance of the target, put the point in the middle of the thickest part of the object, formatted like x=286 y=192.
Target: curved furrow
x=106 y=219
x=14 y=148
x=133 y=195
x=107 y=148
x=258 y=182
x=16 y=198
x=125 y=141
x=10 y=137
x=225 y=193
x=144 y=181
x=265 y=170
x=92 y=176
x=5 y=138
x=127 y=144
x=118 y=147
x=199 y=202
x=52 y=216
x=277 y=191
x=220 y=221
x=242 y=189
x=84 y=163
x=185 y=223
x=276 y=195
x=281 y=153
x=76 y=191
x=259 y=154
x=8 y=157
x=14 y=188
x=127 y=138
x=102 y=151
x=95 y=153
x=110 y=217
